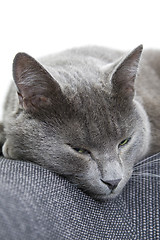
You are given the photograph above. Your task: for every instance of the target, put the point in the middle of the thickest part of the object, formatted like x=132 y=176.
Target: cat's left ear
x=124 y=75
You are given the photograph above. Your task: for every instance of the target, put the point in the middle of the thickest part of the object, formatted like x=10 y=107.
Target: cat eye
x=82 y=150
x=124 y=142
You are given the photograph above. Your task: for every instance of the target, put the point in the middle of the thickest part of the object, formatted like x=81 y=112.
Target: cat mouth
x=104 y=197
x=113 y=195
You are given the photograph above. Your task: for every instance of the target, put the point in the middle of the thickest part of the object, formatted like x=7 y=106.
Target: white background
x=41 y=27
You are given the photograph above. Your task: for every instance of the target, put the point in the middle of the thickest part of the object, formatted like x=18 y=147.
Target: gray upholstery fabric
x=36 y=204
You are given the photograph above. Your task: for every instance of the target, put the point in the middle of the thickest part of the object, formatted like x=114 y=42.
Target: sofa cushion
x=38 y=204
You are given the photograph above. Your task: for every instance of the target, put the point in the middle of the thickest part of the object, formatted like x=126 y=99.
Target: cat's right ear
x=36 y=88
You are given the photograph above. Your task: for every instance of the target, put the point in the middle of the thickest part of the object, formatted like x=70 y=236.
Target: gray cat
x=79 y=113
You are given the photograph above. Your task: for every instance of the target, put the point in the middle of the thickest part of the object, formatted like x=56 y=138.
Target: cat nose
x=111 y=184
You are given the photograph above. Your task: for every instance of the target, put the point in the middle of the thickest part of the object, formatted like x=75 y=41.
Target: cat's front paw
x=6 y=150
x=2 y=134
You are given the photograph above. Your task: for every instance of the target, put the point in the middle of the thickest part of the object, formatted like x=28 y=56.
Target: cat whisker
x=139 y=180
x=145 y=162
x=146 y=175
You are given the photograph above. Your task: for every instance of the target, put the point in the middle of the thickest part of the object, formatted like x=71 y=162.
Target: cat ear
x=35 y=86
x=123 y=78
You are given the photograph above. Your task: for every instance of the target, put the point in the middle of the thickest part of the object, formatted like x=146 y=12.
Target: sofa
x=36 y=204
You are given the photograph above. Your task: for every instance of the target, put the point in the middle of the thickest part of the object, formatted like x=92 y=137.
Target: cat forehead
x=72 y=75
x=97 y=114
x=83 y=84
x=88 y=89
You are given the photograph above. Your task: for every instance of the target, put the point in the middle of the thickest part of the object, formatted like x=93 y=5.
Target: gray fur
x=85 y=98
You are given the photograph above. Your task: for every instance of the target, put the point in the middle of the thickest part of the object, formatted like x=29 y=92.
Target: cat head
x=81 y=119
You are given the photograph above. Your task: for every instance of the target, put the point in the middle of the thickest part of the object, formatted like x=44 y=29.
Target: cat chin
x=104 y=197
x=113 y=195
